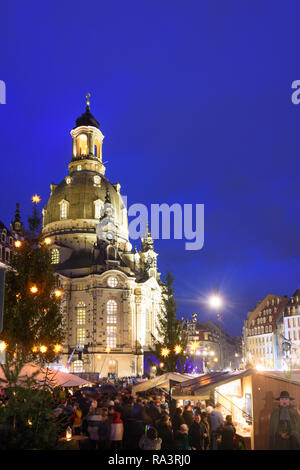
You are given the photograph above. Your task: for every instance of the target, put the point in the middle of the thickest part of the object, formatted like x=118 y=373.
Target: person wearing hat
x=285 y=425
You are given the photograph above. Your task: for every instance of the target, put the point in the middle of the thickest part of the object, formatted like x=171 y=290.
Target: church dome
x=80 y=191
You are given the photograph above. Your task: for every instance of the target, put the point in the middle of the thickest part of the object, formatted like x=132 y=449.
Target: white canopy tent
x=162 y=381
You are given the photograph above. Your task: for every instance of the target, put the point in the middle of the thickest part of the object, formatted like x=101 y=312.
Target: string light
x=48 y=241
x=36 y=199
x=18 y=243
x=57 y=348
x=165 y=352
x=33 y=289
x=43 y=349
x=58 y=293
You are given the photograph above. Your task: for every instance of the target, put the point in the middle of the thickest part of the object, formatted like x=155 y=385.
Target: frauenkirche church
x=112 y=293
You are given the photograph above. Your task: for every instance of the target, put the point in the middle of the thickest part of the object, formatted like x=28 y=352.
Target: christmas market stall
x=249 y=396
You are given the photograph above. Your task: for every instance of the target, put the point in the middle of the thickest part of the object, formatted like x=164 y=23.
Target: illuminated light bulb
x=35 y=198
x=48 y=241
x=161 y=365
x=43 y=349
x=3 y=346
x=57 y=348
x=107 y=350
x=165 y=352
x=177 y=349
x=18 y=243
x=58 y=293
x=34 y=349
x=33 y=289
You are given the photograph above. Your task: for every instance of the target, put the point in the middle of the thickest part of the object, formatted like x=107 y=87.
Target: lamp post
x=215 y=303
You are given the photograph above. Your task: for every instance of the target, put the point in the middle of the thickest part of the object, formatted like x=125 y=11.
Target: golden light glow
x=107 y=350
x=48 y=241
x=161 y=365
x=194 y=345
x=36 y=199
x=165 y=352
x=18 y=295
x=29 y=422
x=58 y=293
x=18 y=243
x=43 y=349
x=34 y=349
x=216 y=359
x=68 y=433
x=177 y=349
x=99 y=356
x=3 y=346
x=33 y=289
x=57 y=348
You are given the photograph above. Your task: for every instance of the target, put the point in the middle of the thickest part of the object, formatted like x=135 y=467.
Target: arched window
x=78 y=366
x=96 y=148
x=64 y=205
x=54 y=255
x=98 y=208
x=82 y=145
x=80 y=314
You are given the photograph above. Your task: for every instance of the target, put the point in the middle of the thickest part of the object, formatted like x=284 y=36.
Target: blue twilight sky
x=194 y=100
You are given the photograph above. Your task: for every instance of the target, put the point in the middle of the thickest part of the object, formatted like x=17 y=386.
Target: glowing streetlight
x=215 y=301
x=33 y=289
x=18 y=243
x=47 y=241
x=43 y=349
x=165 y=352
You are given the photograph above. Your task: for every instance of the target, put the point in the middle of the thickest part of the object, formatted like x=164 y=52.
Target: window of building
x=111 y=336
x=79 y=167
x=96 y=148
x=78 y=366
x=98 y=208
x=80 y=314
x=80 y=336
x=68 y=179
x=97 y=180
x=111 y=310
x=82 y=145
x=112 y=281
x=54 y=256
x=3 y=237
x=63 y=209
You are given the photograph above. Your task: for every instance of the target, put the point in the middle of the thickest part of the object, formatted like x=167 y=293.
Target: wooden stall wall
x=265 y=390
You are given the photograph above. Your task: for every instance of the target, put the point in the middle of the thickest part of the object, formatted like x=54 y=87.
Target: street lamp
x=215 y=302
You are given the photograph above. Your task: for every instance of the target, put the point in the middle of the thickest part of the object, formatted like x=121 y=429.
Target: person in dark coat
x=164 y=429
x=197 y=433
x=285 y=425
x=188 y=415
x=227 y=433
x=177 y=419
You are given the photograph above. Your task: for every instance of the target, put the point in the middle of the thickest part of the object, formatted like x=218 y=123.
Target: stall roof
x=162 y=381
x=207 y=382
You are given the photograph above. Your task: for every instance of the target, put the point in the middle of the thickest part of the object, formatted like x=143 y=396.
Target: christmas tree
x=32 y=323
x=170 y=348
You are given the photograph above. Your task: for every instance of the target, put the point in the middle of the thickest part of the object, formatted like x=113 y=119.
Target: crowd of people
x=118 y=420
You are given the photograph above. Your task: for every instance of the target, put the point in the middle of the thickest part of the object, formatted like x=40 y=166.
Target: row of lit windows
x=293 y=322
x=294 y=335
x=111 y=331
x=64 y=209
x=82 y=146
x=260 y=330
